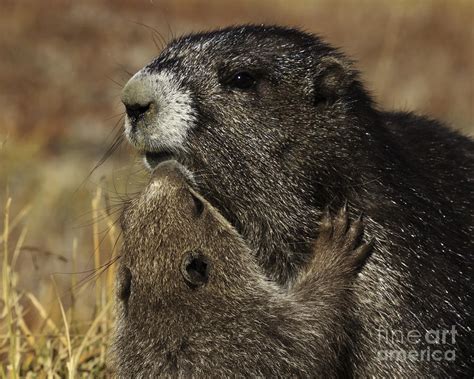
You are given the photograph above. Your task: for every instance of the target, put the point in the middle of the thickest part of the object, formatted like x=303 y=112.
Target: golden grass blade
x=71 y=366
x=95 y=230
x=20 y=216
x=91 y=329
x=72 y=308
x=7 y=295
x=113 y=239
x=30 y=338
x=18 y=246
x=46 y=318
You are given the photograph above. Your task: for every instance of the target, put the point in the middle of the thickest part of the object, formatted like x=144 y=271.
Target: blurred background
x=63 y=63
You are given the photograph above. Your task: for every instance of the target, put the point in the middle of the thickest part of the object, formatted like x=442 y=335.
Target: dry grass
x=61 y=68
x=55 y=347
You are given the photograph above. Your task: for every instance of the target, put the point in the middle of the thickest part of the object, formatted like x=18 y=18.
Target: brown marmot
x=193 y=302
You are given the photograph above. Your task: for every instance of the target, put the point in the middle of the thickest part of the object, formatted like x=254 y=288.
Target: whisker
x=113 y=147
x=112 y=117
x=155 y=31
x=114 y=81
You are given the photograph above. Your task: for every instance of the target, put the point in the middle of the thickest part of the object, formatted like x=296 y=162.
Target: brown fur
x=303 y=134
x=227 y=319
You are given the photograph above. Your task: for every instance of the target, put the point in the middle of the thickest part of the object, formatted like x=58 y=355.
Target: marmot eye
x=242 y=80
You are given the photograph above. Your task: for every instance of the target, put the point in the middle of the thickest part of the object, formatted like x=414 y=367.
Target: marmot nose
x=136 y=111
x=139 y=99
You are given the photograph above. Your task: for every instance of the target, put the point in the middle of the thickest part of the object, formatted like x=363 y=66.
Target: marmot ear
x=333 y=79
x=198 y=205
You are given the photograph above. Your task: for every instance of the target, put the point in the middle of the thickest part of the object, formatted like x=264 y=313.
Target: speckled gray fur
x=307 y=136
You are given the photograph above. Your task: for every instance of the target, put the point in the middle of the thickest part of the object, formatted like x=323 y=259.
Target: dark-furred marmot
x=193 y=302
x=275 y=125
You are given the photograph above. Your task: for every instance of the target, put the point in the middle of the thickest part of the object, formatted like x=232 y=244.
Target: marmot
x=195 y=303
x=275 y=125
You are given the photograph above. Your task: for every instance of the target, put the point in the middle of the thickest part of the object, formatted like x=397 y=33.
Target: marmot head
x=178 y=249
x=263 y=117
x=245 y=94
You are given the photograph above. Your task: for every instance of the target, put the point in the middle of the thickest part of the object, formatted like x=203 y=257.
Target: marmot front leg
x=323 y=292
x=339 y=254
x=339 y=244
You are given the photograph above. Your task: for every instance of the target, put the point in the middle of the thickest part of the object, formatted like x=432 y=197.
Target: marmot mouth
x=153 y=159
